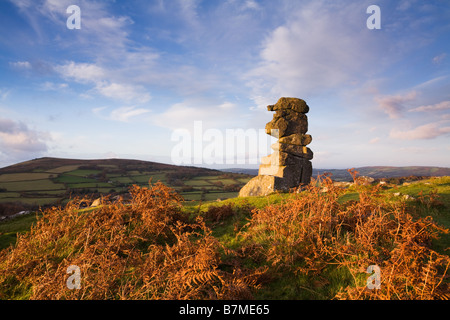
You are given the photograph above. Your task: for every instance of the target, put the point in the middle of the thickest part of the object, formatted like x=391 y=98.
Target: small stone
x=287 y=123
x=96 y=203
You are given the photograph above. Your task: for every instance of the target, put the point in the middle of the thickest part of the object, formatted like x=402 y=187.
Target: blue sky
x=137 y=71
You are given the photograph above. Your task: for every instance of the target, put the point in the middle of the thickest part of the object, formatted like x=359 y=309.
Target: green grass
x=40 y=201
x=197 y=183
x=206 y=178
x=284 y=285
x=4 y=195
x=51 y=192
x=142 y=178
x=83 y=173
x=227 y=181
x=121 y=179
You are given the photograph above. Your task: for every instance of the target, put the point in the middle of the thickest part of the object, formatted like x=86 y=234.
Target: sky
x=166 y=80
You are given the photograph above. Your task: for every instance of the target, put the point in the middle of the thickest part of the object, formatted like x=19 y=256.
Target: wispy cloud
x=122 y=114
x=374 y=140
x=51 y=86
x=183 y=115
x=23 y=65
x=394 y=105
x=439 y=58
x=443 y=105
x=18 y=138
x=4 y=93
x=103 y=81
x=316 y=50
x=123 y=92
x=125 y=113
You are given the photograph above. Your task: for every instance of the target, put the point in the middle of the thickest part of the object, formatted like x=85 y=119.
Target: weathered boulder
x=281 y=158
x=297 y=139
x=96 y=202
x=289 y=166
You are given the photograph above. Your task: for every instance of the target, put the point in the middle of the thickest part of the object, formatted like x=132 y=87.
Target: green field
x=286 y=279
x=121 y=179
x=84 y=173
x=63 y=169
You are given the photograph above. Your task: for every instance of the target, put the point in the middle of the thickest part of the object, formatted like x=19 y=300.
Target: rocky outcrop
x=289 y=166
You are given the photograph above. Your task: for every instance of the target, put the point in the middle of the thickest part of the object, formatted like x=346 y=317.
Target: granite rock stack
x=289 y=166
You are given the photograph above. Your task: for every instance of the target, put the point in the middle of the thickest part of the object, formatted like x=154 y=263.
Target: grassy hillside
x=377 y=172
x=48 y=181
x=316 y=244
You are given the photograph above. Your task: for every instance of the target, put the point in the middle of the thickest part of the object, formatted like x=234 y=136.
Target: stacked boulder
x=289 y=166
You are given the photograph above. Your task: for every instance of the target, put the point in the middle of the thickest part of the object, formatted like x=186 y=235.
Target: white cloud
x=50 y=86
x=81 y=72
x=125 y=113
x=443 y=105
x=184 y=114
x=122 y=114
x=393 y=105
x=251 y=4
x=4 y=93
x=123 y=92
x=439 y=58
x=16 y=138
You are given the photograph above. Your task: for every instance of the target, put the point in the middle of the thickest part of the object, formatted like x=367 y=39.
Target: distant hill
x=379 y=172
x=374 y=172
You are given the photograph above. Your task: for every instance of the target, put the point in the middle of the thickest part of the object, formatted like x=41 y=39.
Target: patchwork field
x=316 y=244
x=49 y=181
